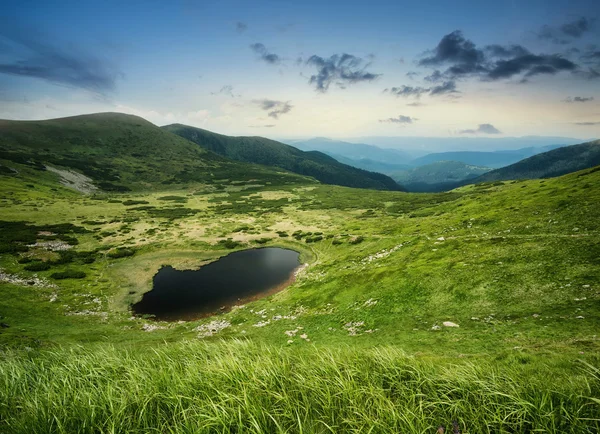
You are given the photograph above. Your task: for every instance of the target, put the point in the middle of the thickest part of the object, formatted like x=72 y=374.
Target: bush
x=120 y=252
x=357 y=240
x=135 y=202
x=230 y=243
x=68 y=274
x=37 y=266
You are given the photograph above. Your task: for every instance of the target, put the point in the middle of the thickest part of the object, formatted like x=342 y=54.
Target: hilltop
x=272 y=153
x=119 y=152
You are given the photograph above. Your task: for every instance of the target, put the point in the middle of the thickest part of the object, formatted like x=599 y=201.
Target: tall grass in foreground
x=242 y=387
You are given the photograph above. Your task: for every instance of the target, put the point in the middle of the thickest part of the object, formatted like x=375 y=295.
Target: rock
x=4 y=325
x=450 y=324
x=436 y=327
x=535 y=315
x=441 y=239
x=579 y=317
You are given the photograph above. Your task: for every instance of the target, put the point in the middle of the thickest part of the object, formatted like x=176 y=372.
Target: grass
x=239 y=386
x=515 y=264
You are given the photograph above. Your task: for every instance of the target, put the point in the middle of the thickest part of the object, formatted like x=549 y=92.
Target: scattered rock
x=152 y=327
x=370 y=302
x=436 y=327
x=450 y=324
x=4 y=325
x=213 y=327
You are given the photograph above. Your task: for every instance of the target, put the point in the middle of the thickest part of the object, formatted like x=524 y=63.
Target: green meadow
x=479 y=305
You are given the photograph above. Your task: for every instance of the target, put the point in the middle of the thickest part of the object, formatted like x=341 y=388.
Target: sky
x=293 y=69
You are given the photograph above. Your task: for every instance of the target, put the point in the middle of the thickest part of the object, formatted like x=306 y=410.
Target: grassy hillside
x=439 y=176
x=120 y=152
x=271 y=153
x=480 y=305
x=549 y=164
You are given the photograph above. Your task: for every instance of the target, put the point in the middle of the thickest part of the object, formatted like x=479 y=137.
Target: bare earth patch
x=74 y=180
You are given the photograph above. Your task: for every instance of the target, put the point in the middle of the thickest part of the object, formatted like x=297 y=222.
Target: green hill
x=120 y=152
x=438 y=176
x=550 y=164
x=271 y=153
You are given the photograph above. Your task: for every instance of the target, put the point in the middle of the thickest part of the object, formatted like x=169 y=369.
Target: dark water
x=192 y=294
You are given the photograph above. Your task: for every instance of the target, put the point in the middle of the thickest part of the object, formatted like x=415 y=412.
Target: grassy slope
x=122 y=152
x=438 y=176
x=549 y=164
x=269 y=152
x=516 y=269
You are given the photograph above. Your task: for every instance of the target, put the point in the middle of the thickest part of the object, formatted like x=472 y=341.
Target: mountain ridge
x=269 y=152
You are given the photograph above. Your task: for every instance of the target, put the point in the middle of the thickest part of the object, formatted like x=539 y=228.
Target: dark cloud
x=264 y=54
x=577 y=28
x=226 y=90
x=444 y=88
x=462 y=58
x=591 y=58
x=339 y=69
x=241 y=27
x=482 y=129
x=274 y=108
x=435 y=76
x=401 y=119
x=28 y=54
x=580 y=99
x=417 y=91
x=568 y=31
x=415 y=104
x=454 y=48
x=412 y=74
x=530 y=65
x=587 y=124
x=501 y=51
x=262 y=126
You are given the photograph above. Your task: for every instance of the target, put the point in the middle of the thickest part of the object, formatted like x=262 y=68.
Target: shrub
x=357 y=240
x=68 y=274
x=230 y=243
x=135 y=202
x=37 y=266
x=120 y=252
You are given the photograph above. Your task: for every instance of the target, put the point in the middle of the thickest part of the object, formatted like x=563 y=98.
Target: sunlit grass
x=239 y=386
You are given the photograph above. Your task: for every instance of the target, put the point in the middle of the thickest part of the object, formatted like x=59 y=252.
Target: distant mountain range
x=268 y=152
x=428 y=145
x=438 y=176
x=119 y=152
x=431 y=172
x=553 y=163
x=494 y=159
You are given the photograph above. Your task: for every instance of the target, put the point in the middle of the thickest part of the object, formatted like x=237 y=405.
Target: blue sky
x=308 y=68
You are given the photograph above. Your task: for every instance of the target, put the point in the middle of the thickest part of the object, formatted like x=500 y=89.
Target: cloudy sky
x=282 y=68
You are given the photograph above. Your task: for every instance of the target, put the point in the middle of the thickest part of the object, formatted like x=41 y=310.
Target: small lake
x=232 y=279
